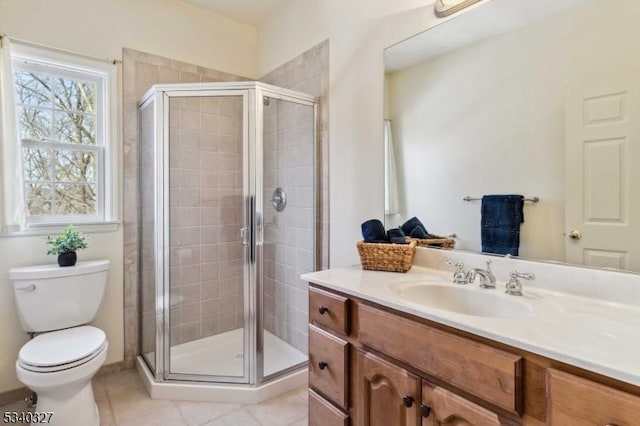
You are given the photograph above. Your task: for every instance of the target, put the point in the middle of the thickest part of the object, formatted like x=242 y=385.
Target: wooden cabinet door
x=575 y=401
x=441 y=407
x=385 y=394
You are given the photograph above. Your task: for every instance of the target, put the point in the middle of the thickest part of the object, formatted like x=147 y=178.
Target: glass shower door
x=288 y=136
x=207 y=327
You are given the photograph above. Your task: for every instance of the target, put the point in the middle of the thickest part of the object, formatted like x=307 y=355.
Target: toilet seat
x=62 y=350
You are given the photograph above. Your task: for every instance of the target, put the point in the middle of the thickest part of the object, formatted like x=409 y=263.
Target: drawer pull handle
x=322 y=365
x=425 y=410
x=611 y=424
x=323 y=310
x=407 y=401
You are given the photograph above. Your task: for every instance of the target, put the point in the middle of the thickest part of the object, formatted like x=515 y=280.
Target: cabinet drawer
x=488 y=373
x=329 y=310
x=322 y=413
x=445 y=405
x=328 y=368
x=572 y=400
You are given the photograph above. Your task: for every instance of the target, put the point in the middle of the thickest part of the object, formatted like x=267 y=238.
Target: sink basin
x=463 y=300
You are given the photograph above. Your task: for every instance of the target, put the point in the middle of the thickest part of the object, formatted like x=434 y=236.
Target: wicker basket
x=386 y=256
x=440 y=242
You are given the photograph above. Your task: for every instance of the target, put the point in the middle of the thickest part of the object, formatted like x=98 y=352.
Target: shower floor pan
x=222 y=355
x=218 y=355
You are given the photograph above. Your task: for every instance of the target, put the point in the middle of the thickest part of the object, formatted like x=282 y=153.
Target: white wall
x=489 y=118
x=357 y=32
x=168 y=28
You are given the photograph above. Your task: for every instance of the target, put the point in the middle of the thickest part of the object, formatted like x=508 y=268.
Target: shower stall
x=227 y=213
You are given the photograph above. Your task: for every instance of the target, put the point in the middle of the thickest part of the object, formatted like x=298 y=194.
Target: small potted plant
x=65 y=245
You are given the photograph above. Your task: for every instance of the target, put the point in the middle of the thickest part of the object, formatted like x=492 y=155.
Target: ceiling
x=249 y=11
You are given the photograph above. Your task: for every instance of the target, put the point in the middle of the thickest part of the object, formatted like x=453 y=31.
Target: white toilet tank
x=49 y=297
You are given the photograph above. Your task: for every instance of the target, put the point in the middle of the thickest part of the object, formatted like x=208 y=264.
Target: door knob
x=575 y=234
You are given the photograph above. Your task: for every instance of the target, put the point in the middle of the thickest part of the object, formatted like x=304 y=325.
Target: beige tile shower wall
x=140 y=72
x=287 y=236
x=205 y=198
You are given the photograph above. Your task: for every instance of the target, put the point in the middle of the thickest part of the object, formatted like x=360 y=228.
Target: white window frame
x=104 y=75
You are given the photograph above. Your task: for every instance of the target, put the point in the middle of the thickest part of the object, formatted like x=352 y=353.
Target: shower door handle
x=252 y=228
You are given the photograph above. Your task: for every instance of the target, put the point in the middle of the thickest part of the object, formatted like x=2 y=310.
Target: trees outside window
x=60 y=113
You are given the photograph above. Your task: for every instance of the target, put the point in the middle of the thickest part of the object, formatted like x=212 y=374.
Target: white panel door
x=602 y=211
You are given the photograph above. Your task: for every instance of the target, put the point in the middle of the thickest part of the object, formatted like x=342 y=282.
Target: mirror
x=536 y=98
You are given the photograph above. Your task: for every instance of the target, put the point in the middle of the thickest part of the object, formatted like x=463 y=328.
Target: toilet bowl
x=59 y=363
x=59 y=366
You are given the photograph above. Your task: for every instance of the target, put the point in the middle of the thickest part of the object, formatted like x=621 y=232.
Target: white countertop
x=596 y=335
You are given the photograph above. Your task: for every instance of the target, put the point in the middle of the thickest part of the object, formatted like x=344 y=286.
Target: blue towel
x=396 y=236
x=415 y=229
x=500 y=223
x=373 y=231
x=419 y=232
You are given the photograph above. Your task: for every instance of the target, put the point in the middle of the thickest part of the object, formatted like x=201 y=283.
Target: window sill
x=40 y=229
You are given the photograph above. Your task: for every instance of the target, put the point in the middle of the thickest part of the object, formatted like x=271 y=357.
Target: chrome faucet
x=514 y=286
x=487 y=279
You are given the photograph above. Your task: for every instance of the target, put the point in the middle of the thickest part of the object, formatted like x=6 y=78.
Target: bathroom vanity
x=382 y=351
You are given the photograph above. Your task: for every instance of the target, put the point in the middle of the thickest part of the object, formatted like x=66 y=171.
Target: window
x=63 y=118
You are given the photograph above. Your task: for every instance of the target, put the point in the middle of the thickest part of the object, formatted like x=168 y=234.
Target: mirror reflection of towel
x=500 y=223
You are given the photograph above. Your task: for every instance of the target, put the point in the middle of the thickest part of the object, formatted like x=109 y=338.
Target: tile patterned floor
x=123 y=401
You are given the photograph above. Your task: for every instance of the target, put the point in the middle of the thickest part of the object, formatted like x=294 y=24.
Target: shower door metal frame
x=150 y=97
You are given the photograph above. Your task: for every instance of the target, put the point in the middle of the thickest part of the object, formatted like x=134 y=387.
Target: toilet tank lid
x=55 y=271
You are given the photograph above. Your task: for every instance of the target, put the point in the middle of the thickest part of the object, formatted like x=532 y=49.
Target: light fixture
x=444 y=8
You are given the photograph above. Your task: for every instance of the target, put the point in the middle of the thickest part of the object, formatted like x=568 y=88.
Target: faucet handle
x=459 y=275
x=524 y=275
x=514 y=286
x=457 y=265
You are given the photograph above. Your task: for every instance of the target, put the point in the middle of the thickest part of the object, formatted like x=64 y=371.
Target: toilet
x=60 y=361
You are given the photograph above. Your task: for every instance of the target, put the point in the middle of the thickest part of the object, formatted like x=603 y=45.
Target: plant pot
x=67 y=259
